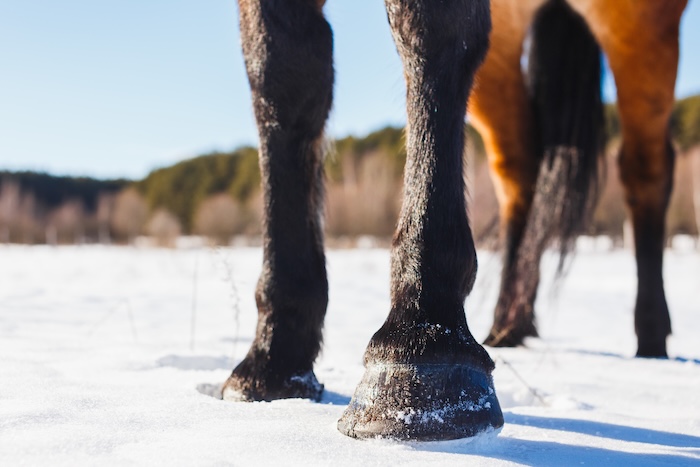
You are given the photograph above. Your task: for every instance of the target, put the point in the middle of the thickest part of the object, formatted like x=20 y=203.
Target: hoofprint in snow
x=102 y=350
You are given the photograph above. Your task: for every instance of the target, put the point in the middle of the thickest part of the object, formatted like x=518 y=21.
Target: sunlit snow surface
x=102 y=350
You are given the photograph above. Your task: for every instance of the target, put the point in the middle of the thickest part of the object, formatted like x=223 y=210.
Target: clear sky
x=117 y=88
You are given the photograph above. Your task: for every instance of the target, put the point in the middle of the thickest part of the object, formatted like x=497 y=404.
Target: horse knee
x=445 y=35
x=288 y=52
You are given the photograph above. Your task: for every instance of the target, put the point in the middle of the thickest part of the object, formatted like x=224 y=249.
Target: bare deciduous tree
x=68 y=220
x=680 y=217
x=695 y=161
x=367 y=202
x=27 y=221
x=220 y=218
x=164 y=227
x=9 y=206
x=105 y=208
x=130 y=214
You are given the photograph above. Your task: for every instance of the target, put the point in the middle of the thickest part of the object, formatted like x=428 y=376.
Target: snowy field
x=103 y=349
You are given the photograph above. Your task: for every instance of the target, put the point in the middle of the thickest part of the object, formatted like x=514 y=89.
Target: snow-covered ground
x=102 y=350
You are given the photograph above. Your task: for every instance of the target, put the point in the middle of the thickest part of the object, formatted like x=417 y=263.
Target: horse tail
x=564 y=79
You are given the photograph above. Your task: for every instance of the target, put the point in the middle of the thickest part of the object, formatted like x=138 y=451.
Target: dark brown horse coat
x=424 y=361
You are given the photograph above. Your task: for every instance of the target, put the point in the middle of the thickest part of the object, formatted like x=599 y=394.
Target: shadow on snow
x=607 y=430
x=595 y=353
x=550 y=453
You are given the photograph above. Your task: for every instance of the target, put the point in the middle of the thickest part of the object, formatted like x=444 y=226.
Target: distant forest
x=218 y=196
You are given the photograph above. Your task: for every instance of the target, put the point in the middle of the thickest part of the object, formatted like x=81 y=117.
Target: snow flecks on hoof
x=234 y=395
x=301 y=386
x=433 y=330
x=410 y=414
x=422 y=402
x=307 y=380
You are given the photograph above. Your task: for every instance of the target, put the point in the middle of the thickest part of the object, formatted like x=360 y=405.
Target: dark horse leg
x=645 y=75
x=426 y=377
x=287 y=45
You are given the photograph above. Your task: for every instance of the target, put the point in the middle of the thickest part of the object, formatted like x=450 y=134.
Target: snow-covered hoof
x=422 y=402
x=247 y=388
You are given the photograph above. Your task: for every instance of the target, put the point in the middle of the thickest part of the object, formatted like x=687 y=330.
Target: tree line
x=217 y=195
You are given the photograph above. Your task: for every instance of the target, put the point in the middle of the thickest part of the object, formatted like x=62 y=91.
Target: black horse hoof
x=652 y=349
x=511 y=336
x=422 y=402
x=248 y=389
x=504 y=339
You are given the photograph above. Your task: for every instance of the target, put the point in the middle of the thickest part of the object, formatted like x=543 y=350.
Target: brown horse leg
x=641 y=41
x=500 y=110
x=426 y=377
x=287 y=45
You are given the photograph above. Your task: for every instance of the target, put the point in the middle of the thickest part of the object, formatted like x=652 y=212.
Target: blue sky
x=117 y=88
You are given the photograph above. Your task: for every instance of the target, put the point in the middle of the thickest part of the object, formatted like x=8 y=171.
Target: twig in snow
x=111 y=312
x=100 y=322
x=131 y=320
x=233 y=295
x=522 y=380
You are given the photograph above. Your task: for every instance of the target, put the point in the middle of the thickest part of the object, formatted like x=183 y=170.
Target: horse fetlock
x=426 y=343
x=422 y=402
x=289 y=336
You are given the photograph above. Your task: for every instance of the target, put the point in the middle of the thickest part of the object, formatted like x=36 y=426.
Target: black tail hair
x=564 y=79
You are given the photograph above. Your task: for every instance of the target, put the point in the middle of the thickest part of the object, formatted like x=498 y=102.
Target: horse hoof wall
x=652 y=349
x=303 y=386
x=422 y=402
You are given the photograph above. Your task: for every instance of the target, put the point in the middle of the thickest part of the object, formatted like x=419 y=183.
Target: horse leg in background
x=500 y=110
x=287 y=45
x=426 y=378
x=641 y=42
x=550 y=180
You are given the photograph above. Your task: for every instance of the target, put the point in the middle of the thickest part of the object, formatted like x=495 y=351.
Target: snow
x=107 y=355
